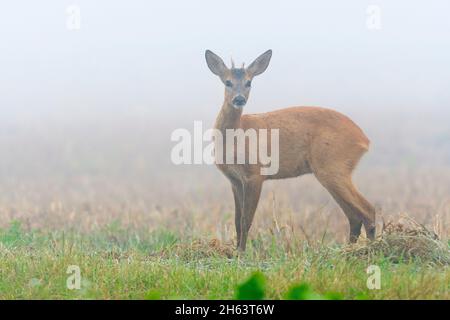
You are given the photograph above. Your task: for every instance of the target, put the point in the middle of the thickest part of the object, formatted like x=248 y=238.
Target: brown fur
x=311 y=140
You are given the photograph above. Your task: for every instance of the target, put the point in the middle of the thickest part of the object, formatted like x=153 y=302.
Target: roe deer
x=311 y=140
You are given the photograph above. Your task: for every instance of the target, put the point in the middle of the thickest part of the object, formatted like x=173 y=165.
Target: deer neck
x=228 y=118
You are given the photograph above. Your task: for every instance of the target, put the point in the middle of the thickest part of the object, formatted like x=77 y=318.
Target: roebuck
x=311 y=140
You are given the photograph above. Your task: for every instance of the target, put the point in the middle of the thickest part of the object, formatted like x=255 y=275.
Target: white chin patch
x=238 y=107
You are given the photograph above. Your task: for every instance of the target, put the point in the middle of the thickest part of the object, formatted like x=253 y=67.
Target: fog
x=135 y=70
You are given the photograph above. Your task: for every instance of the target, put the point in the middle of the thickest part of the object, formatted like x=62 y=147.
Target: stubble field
x=108 y=201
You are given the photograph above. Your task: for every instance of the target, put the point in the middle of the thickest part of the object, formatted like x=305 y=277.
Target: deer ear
x=260 y=64
x=215 y=63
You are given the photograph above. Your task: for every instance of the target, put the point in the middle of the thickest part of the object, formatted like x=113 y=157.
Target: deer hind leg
x=251 y=191
x=354 y=219
x=369 y=223
x=357 y=209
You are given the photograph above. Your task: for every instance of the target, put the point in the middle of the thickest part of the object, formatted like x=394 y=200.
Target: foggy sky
x=149 y=56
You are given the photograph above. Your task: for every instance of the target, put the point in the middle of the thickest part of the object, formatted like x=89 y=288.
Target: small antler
x=232 y=62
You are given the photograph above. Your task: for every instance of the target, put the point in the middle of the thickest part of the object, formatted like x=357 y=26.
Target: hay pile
x=403 y=241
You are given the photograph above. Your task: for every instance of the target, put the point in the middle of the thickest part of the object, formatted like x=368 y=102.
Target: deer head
x=237 y=81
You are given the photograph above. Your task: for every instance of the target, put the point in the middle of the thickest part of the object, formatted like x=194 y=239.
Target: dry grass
x=403 y=241
x=200 y=202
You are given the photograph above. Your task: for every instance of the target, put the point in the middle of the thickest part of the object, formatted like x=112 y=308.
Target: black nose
x=239 y=101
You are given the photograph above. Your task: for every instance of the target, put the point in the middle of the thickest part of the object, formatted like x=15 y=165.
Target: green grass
x=128 y=264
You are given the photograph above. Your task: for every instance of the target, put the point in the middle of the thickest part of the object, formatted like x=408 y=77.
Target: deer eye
x=228 y=83
x=248 y=83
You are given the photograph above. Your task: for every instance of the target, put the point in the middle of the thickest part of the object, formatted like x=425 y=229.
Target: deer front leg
x=251 y=190
x=237 y=193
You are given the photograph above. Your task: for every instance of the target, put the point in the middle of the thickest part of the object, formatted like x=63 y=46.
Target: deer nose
x=239 y=101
